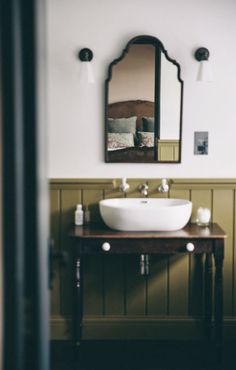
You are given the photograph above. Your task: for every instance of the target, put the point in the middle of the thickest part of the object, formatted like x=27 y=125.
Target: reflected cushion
x=146 y=139
x=116 y=141
x=148 y=124
x=121 y=125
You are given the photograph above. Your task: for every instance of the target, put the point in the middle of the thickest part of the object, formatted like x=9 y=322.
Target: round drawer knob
x=190 y=247
x=106 y=247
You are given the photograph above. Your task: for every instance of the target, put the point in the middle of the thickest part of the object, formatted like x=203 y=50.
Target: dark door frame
x=25 y=189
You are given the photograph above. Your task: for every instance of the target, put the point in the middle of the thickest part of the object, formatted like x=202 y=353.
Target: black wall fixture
x=85 y=55
x=202 y=54
x=205 y=73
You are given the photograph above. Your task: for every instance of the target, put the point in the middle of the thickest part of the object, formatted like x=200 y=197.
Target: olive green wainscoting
x=119 y=302
x=168 y=150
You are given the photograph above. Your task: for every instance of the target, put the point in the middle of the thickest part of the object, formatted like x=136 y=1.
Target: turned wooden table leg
x=208 y=296
x=219 y=257
x=79 y=301
x=78 y=298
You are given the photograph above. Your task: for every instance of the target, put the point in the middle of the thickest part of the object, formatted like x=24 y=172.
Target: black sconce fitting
x=202 y=54
x=85 y=55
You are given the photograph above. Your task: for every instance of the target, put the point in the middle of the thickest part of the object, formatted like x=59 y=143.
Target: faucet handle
x=164 y=186
x=143 y=188
x=124 y=185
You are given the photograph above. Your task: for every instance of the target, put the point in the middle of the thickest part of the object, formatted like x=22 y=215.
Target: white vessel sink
x=145 y=214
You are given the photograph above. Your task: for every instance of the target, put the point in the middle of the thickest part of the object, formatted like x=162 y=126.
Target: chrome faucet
x=143 y=188
x=164 y=186
x=124 y=187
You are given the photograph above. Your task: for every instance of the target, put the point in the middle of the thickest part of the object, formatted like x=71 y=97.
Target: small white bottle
x=79 y=215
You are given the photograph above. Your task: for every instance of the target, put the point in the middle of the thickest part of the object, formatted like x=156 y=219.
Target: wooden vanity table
x=98 y=240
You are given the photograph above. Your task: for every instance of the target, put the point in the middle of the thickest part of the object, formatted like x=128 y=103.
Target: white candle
x=203 y=216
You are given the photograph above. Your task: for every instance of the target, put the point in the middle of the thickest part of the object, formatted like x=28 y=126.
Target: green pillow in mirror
x=122 y=125
x=148 y=124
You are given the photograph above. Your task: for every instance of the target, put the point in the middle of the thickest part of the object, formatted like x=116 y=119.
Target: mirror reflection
x=143 y=105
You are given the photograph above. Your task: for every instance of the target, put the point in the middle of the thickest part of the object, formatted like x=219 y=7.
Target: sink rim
x=151 y=202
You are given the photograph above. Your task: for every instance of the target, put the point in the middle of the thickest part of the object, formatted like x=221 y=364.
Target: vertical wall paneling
x=157 y=286
x=113 y=284
x=90 y=199
x=114 y=274
x=55 y=235
x=178 y=273
x=135 y=287
x=234 y=258
x=69 y=199
x=93 y=285
x=199 y=198
x=223 y=211
x=158 y=278
x=93 y=265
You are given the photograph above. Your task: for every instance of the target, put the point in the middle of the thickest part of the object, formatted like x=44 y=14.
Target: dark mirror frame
x=145 y=39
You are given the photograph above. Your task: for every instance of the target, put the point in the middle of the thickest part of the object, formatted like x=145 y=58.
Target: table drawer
x=150 y=246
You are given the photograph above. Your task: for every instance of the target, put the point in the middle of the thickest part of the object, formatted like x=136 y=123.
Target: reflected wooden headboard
x=131 y=108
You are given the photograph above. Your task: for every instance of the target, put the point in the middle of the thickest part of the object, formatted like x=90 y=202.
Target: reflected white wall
x=170 y=101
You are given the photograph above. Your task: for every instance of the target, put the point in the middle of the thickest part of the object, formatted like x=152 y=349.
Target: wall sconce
x=86 y=71
x=204 y=72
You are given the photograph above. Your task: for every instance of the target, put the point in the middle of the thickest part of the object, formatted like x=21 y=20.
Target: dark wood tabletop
x=191 y=231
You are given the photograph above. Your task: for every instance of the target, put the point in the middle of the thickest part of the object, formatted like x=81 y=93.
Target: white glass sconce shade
x=86 y=74
x=205 y=71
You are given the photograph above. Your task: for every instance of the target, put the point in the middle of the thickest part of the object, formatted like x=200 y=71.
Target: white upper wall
x=76 y=113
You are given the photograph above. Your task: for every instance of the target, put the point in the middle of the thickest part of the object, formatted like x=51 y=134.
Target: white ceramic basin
x=145 y=214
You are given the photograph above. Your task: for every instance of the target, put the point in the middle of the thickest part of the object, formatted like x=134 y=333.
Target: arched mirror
x=143 y=105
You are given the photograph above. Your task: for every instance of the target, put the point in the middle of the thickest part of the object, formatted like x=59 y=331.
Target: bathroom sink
x=145 y=214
